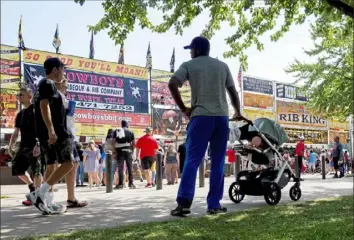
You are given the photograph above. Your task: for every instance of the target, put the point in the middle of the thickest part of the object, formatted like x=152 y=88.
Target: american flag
x=121 y=54
x=56 y=40
x=92 y=48
x=148 y=58
x=21 y=43
x=172 y=62
x=239 y=77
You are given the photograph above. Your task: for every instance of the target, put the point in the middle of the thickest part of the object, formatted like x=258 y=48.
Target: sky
x=40 y=19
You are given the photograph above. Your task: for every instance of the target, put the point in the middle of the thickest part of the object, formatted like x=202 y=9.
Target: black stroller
x=270 y=181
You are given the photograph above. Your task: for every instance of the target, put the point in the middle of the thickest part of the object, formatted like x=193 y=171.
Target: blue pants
x=201 y=130
x=80 y=174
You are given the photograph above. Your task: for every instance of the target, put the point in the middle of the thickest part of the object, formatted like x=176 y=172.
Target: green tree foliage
x=330 y=73
x=250 y=19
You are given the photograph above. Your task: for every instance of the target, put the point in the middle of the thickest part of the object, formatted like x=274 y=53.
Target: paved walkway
x=139 y=205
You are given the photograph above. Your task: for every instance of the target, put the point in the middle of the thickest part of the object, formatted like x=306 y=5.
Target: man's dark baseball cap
x=51 y=63
x=199 y=43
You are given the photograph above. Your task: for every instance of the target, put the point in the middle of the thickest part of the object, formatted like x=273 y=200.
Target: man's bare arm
x=13 y=139
x=173 y=85
x=133 y=145
x=46 y=114
x=235 y=100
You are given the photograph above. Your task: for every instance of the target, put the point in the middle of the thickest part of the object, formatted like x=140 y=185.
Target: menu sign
x=290 y=92
x=257 y=85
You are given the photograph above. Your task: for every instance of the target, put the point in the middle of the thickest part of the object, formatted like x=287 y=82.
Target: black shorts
x=25 y=161
x=336 y=163
x=60 y=152
x=147 y=162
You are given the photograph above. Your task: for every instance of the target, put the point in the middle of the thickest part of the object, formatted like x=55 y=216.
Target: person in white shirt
x=70 y=178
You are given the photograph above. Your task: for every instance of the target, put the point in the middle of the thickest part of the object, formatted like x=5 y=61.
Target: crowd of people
x=48 y=149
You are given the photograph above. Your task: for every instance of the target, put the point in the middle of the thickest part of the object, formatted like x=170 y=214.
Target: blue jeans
x=80 y=174
x=200 y=131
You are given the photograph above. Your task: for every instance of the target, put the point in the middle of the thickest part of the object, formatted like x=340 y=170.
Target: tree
x=250 y=19
x=330 y=77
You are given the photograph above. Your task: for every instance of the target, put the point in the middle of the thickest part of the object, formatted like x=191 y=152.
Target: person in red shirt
x=299 y=151
x=231 y=158
x=146 y=147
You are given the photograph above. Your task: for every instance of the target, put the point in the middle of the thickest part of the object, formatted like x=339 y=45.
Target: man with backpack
x=125 y=146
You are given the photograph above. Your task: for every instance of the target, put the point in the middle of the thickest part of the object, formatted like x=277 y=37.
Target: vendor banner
x=343 y=136
x=97 y=91
x=290 y=92
x=255 y=114
x=169 y=122
x=85 y=64
x=10 y=67
x=292 y=113
x=257 y=100
x=92 y=116
x=251 y=84
x=100 y=130
x=8 y=109
x=160 y=92
x=310 y=136
x=339 y=125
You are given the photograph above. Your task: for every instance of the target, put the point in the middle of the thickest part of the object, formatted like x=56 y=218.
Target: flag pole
x=151 y=106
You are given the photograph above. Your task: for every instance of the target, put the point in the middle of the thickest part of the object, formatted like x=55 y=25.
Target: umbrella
x=271 y=129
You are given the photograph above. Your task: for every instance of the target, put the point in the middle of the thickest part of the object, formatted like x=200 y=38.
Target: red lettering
x=103 y=81
x=93 y=65
x=36 y=57
x=94 y=79
x=69 y=62
x=111 y=81
x=82 y=77
x=108 y=68
x=131 y=72
x=119 y=69
x=87 y=64
x=28 y=55
x=126 y=70
x=70 y=76
x=137 y=72
x=120 y=82
x=81 y=62
x=102 y=67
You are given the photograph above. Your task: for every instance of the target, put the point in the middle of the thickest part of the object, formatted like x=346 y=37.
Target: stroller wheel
x=295 y=193
x=235 y=193
x=272 y=194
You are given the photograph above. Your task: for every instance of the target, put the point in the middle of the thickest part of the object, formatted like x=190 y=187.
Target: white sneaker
x=90 y=186
x=57 y=208
x=31 y=197
x=42 y=202
x=98 y=185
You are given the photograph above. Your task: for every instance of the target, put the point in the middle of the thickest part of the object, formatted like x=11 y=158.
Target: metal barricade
x=159 y=170
x=109 y=172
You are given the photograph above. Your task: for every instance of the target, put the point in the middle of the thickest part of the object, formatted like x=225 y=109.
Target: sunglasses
x=20 y=95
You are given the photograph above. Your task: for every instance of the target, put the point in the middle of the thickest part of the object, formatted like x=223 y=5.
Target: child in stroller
x=264 y=137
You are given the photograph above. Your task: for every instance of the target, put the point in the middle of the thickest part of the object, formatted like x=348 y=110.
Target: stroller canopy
x=271 y=129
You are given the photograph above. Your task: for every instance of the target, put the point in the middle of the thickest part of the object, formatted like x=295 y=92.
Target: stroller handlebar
x=244 y=120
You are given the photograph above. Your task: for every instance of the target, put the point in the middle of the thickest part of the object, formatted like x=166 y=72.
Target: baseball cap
x=148 y=130
x=199 y=42
x=51 y=63
x=302 y=138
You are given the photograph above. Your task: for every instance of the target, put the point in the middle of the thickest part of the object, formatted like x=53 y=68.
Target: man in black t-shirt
x=125 y=145
x=55 y=139
x=23 y=159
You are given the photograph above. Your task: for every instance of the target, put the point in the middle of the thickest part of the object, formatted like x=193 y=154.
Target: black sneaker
x=119 y=187
x=132 y=186
x=141 y=180
x=180 y=211
x=217 y=211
